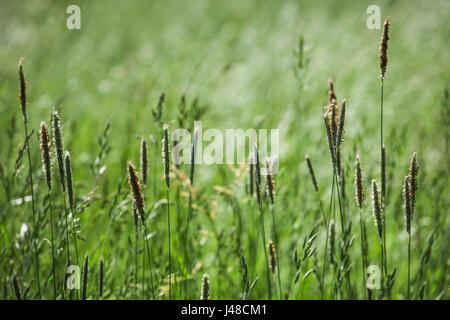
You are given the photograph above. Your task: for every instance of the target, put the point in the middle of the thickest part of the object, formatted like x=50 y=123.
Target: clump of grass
x=205 y=294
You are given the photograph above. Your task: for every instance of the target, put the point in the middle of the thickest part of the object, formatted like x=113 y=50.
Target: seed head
x=413 y=173
x=270 y=183
x=101 y=275
x=165 y=154
x=377 y=209
x=69 y=181
x=175 y=153
x=332 y=234
x=144 y=160
x=22 y=91
x=59 y=147
x=45 y=145
x=340 y=131
x=136 y=191
x=407 y=203
x=85 y=277
x=311 y=173
x=273 y=255
x=257 y=175
x=330 y=140
x=332 y=97
x=359 y=185
x=383 y=57
x=205 y=288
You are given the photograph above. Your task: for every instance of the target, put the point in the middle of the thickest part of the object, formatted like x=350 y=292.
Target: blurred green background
x=237 y=58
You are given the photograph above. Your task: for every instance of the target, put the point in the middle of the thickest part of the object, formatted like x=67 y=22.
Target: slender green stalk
x=53 y=244
x=275 y=235
x=326 y=240
x=36 y=231
x=263 y=237
x=170 y=257
x=409 y=266
x=149 y=263
x=67 y=235
x=362 y=254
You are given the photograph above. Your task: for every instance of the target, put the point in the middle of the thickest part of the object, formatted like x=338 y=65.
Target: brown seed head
x=205 y=295
x=332 y=97
x=59 y=147
x=377 y=209
x=136 y=192
x=273 y=255
x=407 y=203
x=144 y=160
x=270 y=181
x=311 y=173
x=359 y=185
x=165 y=154
x=413 y=173
x=22 y=91
x=45 y=145
x=383 y=57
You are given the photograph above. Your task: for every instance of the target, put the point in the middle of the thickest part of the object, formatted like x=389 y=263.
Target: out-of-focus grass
x=237 y=58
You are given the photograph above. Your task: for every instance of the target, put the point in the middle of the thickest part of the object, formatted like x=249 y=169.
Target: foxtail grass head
x=144 y=160
x=85 y=277
x=407 y=203
x=59 y=147
x=413 y=173
x=101 y=276
x=330 y=139
x=205 y=294
x=166 y=154
x=359 y=184
x=257 y=176
x=69 y=181
x=45 y=145
x=136 y=192
x=332 y=234
x=311 y=173
x=22 y=91
x=340 y=130
x=332 y=97
x=273 y=255
x=377 y=209
x=383 y=57
x=270 y=182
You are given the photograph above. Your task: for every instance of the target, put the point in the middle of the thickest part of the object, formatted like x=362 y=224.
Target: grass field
x=231 y=64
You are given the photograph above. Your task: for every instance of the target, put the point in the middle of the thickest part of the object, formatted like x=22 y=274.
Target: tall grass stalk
x=45 y=145
x=23 y=105
x=261 y=215
x=166 y=162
